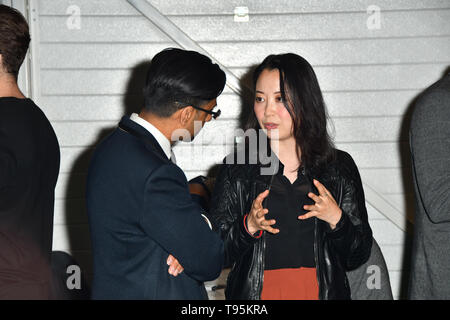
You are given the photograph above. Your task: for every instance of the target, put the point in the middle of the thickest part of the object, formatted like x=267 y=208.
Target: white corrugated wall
x=372 y=59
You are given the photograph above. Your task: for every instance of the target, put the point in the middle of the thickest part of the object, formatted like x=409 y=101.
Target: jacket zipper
x=261 y=270
x=263 y=253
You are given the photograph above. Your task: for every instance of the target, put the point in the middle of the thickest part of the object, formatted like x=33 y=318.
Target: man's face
x=200 y=117
x=2 y=70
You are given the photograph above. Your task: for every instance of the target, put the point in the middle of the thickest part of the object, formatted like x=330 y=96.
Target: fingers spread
x=308 y=215
x=315 y=197
x=268 y=222
x=310 y=207
x=261 y=213
x=259 y=199
x=321 y=188
x=272 y=230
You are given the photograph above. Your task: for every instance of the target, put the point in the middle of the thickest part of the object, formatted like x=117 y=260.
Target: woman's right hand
x=256 y=220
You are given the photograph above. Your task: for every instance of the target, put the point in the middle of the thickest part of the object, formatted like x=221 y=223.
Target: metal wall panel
x=89 y=78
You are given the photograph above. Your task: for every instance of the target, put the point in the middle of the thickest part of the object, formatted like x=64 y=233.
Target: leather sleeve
x=352 y=237
x=227 y=217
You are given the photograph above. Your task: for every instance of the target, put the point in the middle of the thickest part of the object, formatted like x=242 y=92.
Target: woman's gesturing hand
x=325 y=207
x=256 y=220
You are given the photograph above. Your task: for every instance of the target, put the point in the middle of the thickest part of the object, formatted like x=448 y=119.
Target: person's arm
x=430 y=150
x=200 y=189
x=348 y=232
x=173 y=220
x=228 y=217
x=352 y=236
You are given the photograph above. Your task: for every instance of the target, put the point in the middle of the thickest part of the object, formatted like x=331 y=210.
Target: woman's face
x=269 y=108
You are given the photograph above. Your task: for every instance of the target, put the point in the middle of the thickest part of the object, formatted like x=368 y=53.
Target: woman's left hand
x=325 y=207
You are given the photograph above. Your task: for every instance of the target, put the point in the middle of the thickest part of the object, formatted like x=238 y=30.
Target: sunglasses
x=215 y=114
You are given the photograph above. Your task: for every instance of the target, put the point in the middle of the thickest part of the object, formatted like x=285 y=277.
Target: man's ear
x=185 y=115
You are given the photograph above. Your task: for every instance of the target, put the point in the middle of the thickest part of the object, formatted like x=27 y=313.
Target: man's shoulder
x=24 y=111
x=119 y=146
x=23 y=121
x=433 y=103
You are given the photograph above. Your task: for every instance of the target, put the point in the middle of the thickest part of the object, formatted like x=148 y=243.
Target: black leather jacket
x=336 y=251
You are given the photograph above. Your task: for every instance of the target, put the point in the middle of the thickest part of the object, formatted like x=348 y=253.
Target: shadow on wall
x=246 y=102
x=247 y=97
x=75 y=204
x=409 y=199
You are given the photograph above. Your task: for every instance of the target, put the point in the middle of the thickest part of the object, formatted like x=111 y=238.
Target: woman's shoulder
x=342 y=165
x=237 y=168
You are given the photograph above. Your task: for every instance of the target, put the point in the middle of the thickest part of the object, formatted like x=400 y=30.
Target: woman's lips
x=270 y=126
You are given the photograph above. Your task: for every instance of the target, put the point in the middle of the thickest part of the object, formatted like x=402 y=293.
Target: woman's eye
x=259 y=99
x=279 y=99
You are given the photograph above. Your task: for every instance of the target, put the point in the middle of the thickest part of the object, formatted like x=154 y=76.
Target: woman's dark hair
x=178 y=78
x=14 y=39
x=303 y=99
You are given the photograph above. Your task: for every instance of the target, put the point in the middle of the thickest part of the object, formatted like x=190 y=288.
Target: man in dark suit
x=430 y=153
x=141 y=214
x=29 y=167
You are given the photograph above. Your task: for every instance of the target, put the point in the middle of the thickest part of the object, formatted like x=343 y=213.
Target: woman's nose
x=270 y=108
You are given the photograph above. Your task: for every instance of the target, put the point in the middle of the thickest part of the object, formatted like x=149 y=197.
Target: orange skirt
x=290 y=284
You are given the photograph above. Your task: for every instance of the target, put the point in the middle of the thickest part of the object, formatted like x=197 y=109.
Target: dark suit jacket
x=430 y=152
x=140 y=210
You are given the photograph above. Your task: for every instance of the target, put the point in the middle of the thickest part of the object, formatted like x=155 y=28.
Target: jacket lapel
x=131 y=127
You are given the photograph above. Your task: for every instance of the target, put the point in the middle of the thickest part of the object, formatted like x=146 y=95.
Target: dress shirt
x=160 y=138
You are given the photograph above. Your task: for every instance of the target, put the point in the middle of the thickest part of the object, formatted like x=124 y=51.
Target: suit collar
x=158 y=135
x=133 y=128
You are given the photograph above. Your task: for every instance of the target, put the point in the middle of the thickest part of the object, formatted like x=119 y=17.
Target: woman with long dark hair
x=294 y=233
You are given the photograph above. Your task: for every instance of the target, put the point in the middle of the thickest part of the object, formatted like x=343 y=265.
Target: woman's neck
x=286 y=153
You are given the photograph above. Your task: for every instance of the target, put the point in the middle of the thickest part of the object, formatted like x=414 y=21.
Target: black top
x=29 y=167
x=293 y=246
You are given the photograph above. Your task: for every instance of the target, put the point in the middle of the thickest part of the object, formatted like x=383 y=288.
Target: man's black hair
x=178 y=78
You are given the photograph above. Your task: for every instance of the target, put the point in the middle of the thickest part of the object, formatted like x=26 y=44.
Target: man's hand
x=175 y=268
x=198 y=189
x=202 y=186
